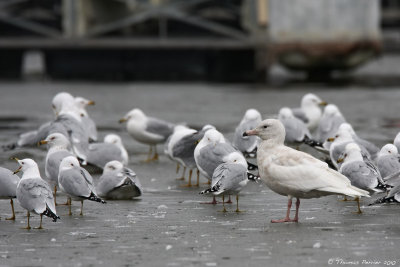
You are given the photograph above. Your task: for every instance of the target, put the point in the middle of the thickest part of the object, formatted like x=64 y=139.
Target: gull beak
x=250 y=132
x=17 y=170
x=340 y=160
x=15 y=158
x=323 y=103
x=91 y=103
x=331 y=139
x=122 y=120
x=197 y=141
x=43 y=142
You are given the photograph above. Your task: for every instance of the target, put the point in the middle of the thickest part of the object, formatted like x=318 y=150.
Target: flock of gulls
x=346 y=165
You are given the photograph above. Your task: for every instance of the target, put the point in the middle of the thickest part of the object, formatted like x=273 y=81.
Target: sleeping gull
x=59 y=148
x=247 y=144
x=388 y=163
x=111 y=149
x=329 y=123
x=294 y=173
x=76 y=182
x=33 y=193
x=296 y=130
x=362 y=175
x=372 y=149
x=310 y=111
x=8 y=188
x=118 y=182
x=230 y=178
x=147 y=130
x=81 y=103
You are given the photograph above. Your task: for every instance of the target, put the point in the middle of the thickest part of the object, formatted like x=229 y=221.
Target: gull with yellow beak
x=34 y=193
x=310 y=111
x=90 y=126
x=147 y=130
x=8 y=188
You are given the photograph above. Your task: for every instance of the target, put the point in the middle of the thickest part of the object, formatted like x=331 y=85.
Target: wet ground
x=168 y=225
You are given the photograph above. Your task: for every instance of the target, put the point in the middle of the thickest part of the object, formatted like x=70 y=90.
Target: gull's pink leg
x=296 y=217
x=286 y=219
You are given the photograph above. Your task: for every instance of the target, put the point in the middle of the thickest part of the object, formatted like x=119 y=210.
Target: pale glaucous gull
x=293 y=173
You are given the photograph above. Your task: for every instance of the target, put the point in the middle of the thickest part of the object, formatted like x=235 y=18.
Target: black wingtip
x=253 y=177
x=383 y=200
x=251 y=167
x=311 y=142
x=51 y=214
x=9 y=147
x=93 y=197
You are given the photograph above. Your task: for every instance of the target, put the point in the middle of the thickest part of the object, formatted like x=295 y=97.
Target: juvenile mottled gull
x=118 y=182
x=296 y=130
x=111 y=149
x=293 y=173
x=362 y=175
x=247 y=144
x=76 y=182
x=310 y=111
x=59 y=148
x=34 y=193
x=8 y=187
x=329 y=123
x=230 y=178
x=147 y=130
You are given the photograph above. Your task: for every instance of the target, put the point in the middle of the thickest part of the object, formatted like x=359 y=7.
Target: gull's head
x=112 y=139
x=252 y=114
x=331 y=110
x=213 y=137
x=113 y=166
x=352 y=152
x=311 y=100
x=208 y=127
x=55 y=139
x=69 y=162
x=82 y=102
x=179 y=128
x=285 y=113
x=25 y=165
x=270 y=129
x=346 y=127
x=343 y=134
x=236 y=158
x=388 y=149
x=135 y=115
x=61 y=101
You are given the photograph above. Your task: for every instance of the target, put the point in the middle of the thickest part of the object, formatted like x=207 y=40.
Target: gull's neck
x=31 y=172
x=352 y=157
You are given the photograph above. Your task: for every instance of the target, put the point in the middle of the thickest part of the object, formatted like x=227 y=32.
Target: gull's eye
x=52 y=138
x=72 y=164
x=345 y=155
x=336 y=136
x=235 y=160
x=22 y=163
x=265 y=126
